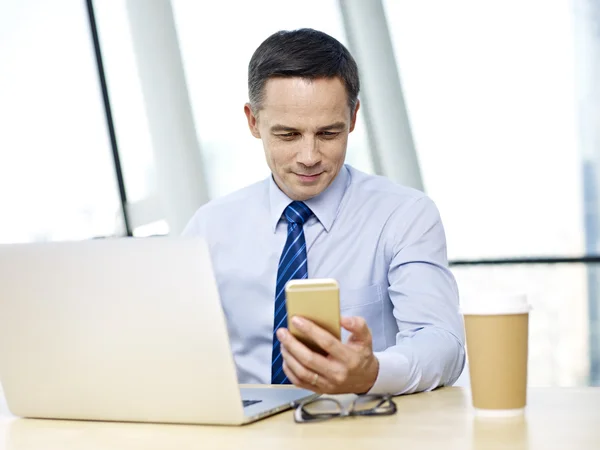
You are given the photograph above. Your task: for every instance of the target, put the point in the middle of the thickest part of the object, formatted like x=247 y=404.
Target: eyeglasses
x=320 y=409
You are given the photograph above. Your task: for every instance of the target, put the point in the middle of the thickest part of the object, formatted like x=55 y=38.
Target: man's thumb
x=355 y=325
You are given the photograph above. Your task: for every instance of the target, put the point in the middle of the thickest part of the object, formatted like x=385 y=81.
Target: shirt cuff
x=393 y=373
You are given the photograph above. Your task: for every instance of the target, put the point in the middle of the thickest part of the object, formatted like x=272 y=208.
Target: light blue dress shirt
x=384 y=244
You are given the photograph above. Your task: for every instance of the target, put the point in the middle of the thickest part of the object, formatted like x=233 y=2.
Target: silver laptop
x=121 y=330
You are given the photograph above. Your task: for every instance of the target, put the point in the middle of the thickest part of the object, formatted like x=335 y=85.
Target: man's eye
x=290 y=135
x=329 y=134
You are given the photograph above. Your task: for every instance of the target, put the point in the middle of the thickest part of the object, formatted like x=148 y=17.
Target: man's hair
x=304 y=53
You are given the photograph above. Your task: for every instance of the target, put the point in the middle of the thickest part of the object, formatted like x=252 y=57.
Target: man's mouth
x=307 y=178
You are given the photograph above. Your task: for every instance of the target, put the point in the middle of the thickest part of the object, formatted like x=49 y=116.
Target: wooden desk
x=555 y=419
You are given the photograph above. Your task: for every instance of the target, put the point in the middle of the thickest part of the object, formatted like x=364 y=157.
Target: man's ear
x=252 y=121
x=353 y=117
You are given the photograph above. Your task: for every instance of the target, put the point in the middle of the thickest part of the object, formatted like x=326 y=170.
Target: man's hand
x=349 y=368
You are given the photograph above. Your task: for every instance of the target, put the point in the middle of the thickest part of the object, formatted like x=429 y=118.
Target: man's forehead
x=295 y=91
x=296 y=99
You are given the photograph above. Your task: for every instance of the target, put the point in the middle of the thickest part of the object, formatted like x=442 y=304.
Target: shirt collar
x=325 y=205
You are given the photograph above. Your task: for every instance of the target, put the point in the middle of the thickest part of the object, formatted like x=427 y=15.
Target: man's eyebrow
x=278 y=128
x=334 y=126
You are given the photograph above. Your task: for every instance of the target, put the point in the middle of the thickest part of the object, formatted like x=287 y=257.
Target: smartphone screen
x=318 y=300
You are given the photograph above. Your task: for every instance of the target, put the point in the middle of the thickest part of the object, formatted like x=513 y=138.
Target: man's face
x=304 y=126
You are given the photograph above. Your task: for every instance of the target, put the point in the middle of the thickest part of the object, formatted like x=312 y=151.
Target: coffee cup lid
x=494 y=304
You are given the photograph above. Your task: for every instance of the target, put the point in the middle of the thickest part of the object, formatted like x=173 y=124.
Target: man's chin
x=303 y=193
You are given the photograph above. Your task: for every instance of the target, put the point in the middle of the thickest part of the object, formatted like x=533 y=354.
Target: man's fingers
x=289 y=373
x=332 y=374
x=300 y=372
x=301 y=353
x=321 y=385
x=322 y=338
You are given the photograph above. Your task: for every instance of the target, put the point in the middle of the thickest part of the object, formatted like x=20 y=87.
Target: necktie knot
x=297 y=212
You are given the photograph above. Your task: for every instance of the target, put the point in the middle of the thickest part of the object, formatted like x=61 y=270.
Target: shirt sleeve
x=429 y=350
x=196 y=225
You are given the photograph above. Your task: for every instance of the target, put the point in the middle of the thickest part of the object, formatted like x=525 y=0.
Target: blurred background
x=120 y=117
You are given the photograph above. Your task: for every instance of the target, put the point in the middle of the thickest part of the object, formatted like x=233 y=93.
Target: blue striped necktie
x=292 y=265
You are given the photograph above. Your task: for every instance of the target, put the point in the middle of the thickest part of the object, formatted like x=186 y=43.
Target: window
x=57 y=178
x=127 y=101
x=490 y=93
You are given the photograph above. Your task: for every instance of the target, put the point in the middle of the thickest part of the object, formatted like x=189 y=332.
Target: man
x=316 y=217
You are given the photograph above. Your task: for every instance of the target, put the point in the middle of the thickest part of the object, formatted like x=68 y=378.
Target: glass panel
x=127 y=101
x=490 y=93
x=57 y=177
x=216 y=47
x=559 y=339
x=587 y=26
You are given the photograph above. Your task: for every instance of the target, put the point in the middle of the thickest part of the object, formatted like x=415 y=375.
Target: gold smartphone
x=318 y=300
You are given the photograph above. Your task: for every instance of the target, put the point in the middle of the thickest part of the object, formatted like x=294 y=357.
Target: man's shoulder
x=393 y=206
x=376 y=188
x=228 y=206
x=255 y=192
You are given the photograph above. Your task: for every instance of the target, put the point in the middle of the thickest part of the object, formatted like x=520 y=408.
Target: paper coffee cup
x=497 y=329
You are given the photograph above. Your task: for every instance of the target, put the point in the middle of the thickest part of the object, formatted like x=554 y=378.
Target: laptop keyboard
x=250 y=402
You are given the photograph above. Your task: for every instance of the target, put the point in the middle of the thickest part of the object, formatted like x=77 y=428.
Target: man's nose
x=309 y=154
